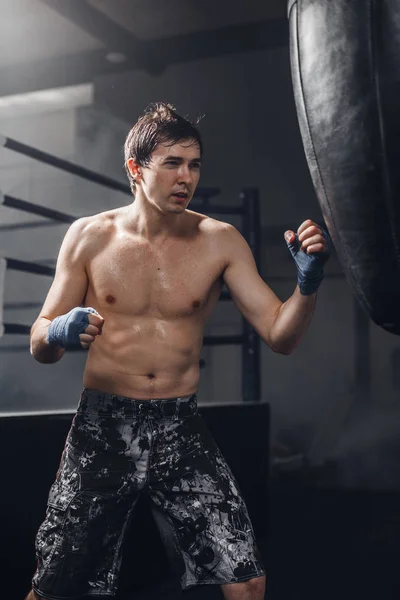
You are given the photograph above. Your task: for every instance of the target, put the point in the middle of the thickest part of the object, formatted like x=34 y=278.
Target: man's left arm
x=281 y=325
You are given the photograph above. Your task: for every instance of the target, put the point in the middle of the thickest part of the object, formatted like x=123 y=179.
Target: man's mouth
x=181 y=195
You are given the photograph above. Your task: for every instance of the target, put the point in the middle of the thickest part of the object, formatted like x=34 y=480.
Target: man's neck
x=149 y=222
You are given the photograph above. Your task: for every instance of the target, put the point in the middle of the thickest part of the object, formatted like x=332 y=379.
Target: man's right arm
x=41 y=350
x=67 y=291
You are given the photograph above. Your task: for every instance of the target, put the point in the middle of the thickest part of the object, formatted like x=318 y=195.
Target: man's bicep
x=70 y=281
x=253 y=297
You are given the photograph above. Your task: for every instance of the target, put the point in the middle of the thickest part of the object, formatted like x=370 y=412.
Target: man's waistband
x=114 y=405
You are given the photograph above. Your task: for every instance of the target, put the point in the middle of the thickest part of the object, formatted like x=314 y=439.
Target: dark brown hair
x=159 y=124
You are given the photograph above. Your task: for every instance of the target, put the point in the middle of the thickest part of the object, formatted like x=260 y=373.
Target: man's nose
x=184 y=174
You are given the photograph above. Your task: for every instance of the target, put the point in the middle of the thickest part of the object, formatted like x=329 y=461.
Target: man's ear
x=134 y=169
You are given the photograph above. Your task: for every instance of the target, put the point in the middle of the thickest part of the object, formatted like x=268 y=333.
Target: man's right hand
x=80 y=326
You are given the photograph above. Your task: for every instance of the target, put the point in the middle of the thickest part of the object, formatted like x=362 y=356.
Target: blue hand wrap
x=309 y=266
x=64 y=330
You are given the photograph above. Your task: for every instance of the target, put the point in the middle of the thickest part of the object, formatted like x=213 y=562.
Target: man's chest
x=173 y=282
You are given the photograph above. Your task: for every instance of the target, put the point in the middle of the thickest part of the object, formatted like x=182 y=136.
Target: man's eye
x=171 y=162
x=196 y=166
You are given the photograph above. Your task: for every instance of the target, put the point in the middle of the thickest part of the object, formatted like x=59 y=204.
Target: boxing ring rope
x=29 y=267
x=248 y=210
x=35 y=209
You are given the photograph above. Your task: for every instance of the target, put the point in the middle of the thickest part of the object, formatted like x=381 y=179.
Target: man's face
x=171 y=178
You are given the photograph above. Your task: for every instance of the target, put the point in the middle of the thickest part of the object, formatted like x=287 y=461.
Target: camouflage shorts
x=116 y=448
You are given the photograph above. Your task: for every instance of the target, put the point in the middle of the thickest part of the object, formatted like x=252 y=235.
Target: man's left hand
x=311 y=236
x=310 y=249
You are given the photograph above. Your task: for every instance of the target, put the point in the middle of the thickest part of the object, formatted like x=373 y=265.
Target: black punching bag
x=345 y=58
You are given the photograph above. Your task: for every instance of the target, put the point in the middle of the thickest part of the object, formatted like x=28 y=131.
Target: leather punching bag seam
x=291 y=4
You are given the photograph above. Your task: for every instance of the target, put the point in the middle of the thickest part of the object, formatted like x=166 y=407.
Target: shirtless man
x=135 y=286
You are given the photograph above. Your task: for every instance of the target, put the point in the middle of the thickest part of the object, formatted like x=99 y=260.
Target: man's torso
x=155 y=299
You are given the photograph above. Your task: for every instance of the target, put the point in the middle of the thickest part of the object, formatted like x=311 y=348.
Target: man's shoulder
x=89 y=234
x=209 y=225
x=97 y=223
